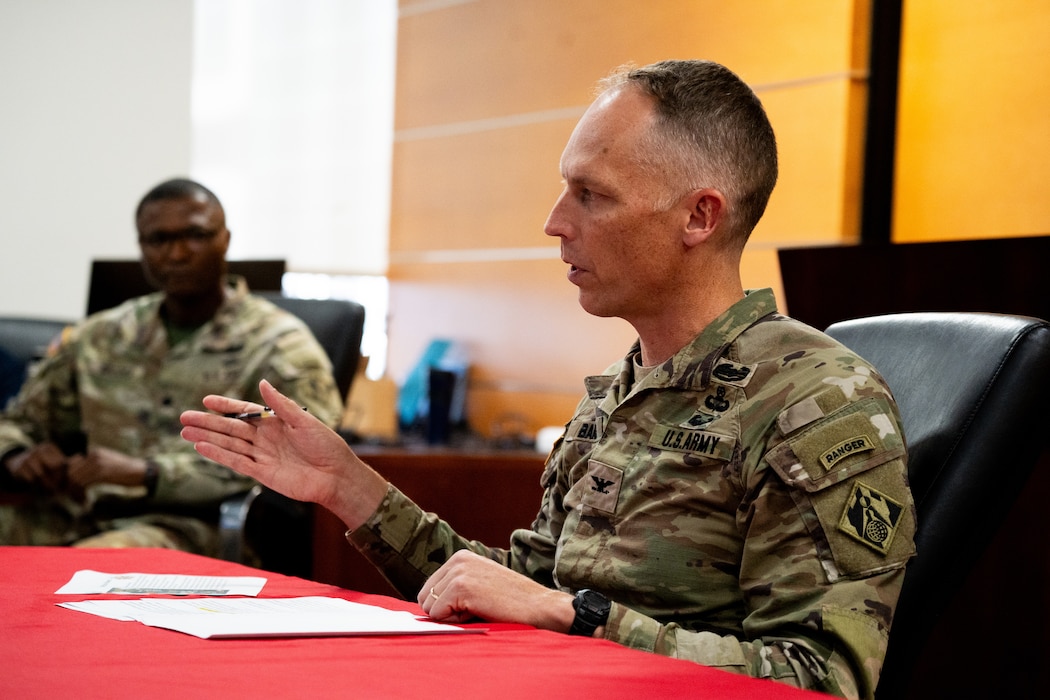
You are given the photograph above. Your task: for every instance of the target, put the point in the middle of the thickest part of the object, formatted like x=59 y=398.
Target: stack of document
x=87 y=581
x=220 y=616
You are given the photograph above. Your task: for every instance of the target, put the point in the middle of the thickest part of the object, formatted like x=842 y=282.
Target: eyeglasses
x=194 y=237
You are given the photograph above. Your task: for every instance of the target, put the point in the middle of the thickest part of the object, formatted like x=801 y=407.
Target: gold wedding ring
x=433 y=594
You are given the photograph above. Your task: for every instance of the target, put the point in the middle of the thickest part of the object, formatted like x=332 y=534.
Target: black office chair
x=23 y=341
x=972 y=389
x=338 y=325
x=115 y=281
x=261 y=526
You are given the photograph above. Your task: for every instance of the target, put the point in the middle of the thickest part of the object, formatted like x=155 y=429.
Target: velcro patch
x=810 y=409
x=839 y=446
x=733 y=373
x=850 y=446
x=584 y=431
x=699 y=420
x=871 y=517
x=699 y=442
x=601 y=486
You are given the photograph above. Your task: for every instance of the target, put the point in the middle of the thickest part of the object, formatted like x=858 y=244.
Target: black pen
x=266 y=412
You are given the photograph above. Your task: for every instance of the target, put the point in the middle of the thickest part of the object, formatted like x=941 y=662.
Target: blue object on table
x=434 y=394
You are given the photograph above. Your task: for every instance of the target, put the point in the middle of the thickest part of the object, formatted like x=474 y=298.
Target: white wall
x=94 y=109
x=293 y=126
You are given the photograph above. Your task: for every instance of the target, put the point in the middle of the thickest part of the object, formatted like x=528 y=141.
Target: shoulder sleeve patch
x=63 y=338
x=871 y=517
x=867 y=523
x=847 y=472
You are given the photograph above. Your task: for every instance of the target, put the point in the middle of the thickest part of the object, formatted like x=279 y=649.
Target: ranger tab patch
x=861 y=443
x=871 y=517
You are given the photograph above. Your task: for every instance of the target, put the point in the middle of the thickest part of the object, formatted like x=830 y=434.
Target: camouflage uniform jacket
x=115 y=380
x=745 y=505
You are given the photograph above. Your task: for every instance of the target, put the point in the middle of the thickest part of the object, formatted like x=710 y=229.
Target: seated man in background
x=93 y=435
x=732 y=492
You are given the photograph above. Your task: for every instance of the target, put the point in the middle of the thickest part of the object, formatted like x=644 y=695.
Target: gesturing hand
x=293 y=453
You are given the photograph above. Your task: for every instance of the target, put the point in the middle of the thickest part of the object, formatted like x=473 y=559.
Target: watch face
x=592 y=605
x=592 y=611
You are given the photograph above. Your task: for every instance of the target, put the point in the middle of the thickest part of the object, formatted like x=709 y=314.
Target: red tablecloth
x=51 y=652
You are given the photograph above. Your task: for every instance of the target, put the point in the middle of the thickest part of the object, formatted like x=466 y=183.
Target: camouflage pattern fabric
x=745 y=505
x=115 y=381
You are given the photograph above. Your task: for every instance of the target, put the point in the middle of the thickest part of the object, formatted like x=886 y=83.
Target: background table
x=484 y=495
x=51 y=652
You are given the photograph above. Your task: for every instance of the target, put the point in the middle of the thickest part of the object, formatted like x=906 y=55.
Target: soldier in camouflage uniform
x=92 y=440
x=732 y=492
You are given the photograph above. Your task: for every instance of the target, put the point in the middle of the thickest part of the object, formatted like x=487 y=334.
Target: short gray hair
x=710 y=131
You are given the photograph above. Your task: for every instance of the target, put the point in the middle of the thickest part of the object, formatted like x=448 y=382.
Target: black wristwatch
x=592 y=611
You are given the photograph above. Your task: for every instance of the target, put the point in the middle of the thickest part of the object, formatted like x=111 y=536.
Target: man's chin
x=185 y=293
x=594 y=306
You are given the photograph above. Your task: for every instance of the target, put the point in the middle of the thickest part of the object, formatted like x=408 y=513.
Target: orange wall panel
x=482 y=59
x=973 y=136
x=814 y=202
x=489 y=91
x=492 y=188
x=519 y=320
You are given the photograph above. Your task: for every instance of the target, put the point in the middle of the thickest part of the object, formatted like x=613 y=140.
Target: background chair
x=338 y=325
x=972 y=390
x=262 y=526
x=115 y=281
x=22 y=341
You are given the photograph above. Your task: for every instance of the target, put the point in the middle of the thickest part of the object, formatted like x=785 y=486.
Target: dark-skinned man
x=93 y=436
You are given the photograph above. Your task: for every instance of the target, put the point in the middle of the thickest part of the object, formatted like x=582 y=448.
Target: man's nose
x=556 y=224
x=178 y=249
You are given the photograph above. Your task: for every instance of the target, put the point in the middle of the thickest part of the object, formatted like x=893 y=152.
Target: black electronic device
x=115 y=281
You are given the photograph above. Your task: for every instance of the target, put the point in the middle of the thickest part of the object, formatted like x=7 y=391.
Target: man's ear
x=707 y=211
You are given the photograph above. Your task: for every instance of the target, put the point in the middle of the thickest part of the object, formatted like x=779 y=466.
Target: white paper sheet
x=87 y=581
x=211 y=618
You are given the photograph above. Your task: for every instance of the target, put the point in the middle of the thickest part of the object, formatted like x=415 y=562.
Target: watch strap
x=592 y=611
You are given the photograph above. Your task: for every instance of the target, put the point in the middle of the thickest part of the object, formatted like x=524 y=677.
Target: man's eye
x=156 y=240
x=162 y=239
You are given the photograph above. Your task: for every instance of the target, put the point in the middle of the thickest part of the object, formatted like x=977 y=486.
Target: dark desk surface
x=51 y=652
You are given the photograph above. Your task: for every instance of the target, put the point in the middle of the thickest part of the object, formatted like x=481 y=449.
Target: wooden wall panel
x=519 y=320
x=488 y=92
x=492 y=57
x=972 y=135
x=491 y=188
x=815 y=198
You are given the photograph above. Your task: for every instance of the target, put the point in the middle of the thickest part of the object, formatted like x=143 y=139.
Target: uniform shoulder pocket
x=849 y=441
x=847 y=474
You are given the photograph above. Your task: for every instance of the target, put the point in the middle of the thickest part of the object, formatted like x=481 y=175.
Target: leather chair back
x=972 y=390
x=22 y=341
x=338 y=325
x=28 y=338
